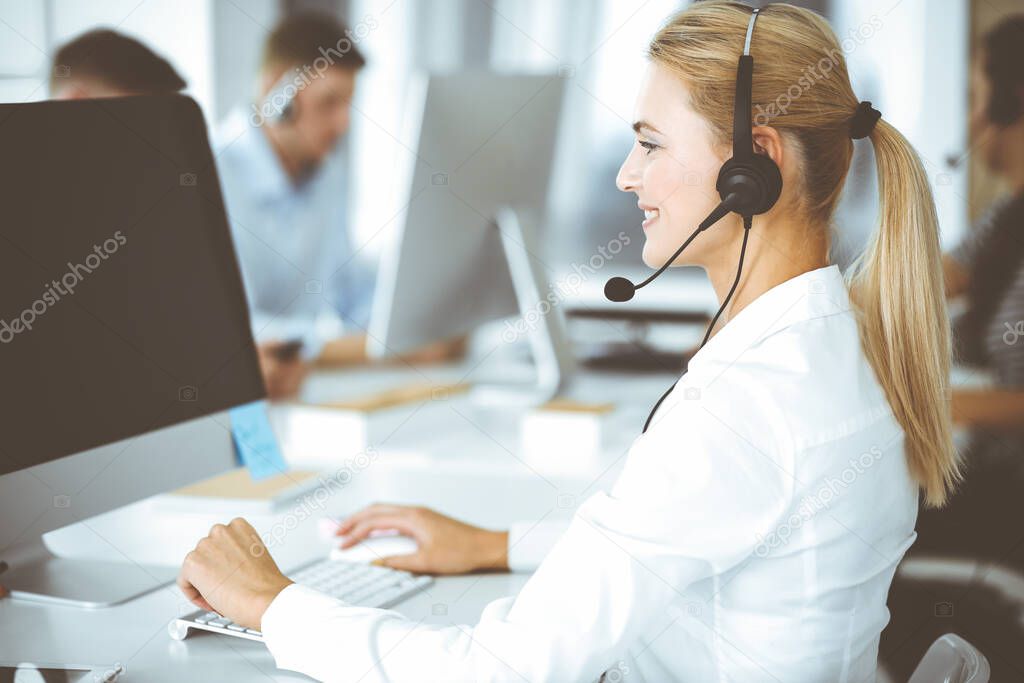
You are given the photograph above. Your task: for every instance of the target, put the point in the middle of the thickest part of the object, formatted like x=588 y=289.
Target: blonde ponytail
x=801 y=88
x=897 y=287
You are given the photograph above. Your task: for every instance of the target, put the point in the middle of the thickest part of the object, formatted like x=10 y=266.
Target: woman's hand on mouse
x=446 y=545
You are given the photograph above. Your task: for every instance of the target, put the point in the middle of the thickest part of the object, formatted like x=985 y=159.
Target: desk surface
x=461 y=459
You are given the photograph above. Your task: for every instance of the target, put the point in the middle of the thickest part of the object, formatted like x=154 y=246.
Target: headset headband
x=750 y=31
x=742 y=140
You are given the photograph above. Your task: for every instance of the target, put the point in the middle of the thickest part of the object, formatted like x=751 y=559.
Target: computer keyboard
x=359 y=584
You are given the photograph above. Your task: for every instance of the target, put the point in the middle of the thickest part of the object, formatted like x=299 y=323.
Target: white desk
x=464 y=465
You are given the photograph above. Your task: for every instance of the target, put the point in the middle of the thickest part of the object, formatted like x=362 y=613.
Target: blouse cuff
x=530 y=542
x=295 y=610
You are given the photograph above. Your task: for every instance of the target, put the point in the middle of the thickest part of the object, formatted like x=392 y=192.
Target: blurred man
x=103 y=63
x=284 y=185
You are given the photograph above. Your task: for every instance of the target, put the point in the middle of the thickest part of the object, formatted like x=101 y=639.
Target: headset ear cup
x=756 y=178
x=772 y=180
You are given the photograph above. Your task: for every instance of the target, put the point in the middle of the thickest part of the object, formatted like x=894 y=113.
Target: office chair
x=1006 y=581
x=951 y=659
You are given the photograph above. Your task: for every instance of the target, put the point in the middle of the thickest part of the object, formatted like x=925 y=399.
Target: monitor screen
x=122 y=308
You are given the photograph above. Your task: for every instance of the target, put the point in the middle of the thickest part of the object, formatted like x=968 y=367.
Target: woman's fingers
x=356 y=517
x=192 y=595
x=401 y=523
x=414 y=563
x=201 y=603
x=368 y=512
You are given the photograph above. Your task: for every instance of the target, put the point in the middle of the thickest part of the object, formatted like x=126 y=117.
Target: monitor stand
x=547 y=336
x=37 y=575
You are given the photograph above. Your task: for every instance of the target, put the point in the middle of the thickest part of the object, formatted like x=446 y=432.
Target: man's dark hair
x=116 y=59
x=1003 y=52
x=306 y=37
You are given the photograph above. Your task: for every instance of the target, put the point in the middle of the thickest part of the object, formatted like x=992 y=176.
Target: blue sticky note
x=255 y=442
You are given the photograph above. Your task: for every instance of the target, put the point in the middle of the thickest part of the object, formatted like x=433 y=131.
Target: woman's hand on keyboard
x=446 y=545
x=231 y=572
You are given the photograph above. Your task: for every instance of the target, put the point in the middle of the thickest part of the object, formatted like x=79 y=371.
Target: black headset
x=748 y=184
x=279 y=103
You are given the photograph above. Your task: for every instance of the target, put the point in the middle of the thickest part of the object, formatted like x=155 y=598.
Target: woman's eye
x=649 y=146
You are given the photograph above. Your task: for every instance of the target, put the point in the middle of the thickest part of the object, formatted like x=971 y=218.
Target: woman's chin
x=648 y=256
x=654 y=257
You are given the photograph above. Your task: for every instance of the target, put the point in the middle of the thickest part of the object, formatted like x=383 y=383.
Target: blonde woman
x=755 y=528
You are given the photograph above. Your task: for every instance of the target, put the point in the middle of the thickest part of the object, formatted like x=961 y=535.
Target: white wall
x=239 y=31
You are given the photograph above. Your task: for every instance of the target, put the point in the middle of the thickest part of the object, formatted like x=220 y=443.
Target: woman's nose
x=628 y=179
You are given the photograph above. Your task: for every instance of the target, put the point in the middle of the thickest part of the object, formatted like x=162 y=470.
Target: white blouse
x=752 y=535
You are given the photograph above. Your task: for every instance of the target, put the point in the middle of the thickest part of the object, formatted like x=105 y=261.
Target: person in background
x=104 y=63
x=283 y=173
x=987 y=271
x=987 y=268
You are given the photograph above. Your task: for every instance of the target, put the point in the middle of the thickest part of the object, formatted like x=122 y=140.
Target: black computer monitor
x=122 y=308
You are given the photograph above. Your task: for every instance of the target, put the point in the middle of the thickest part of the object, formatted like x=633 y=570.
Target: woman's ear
x=767 y=140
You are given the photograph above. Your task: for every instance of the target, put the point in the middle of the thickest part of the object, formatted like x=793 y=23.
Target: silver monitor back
x=54 y=494
x=466 y=251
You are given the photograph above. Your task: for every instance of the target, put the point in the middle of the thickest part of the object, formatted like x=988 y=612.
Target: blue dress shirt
x=304 y=278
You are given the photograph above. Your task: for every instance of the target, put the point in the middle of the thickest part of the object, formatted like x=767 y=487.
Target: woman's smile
x=650 y=215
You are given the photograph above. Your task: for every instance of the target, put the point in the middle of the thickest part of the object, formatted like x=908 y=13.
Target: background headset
x=279 y=103
x=748 y=184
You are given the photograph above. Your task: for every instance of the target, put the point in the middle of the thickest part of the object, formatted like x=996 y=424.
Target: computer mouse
x=376 y=547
